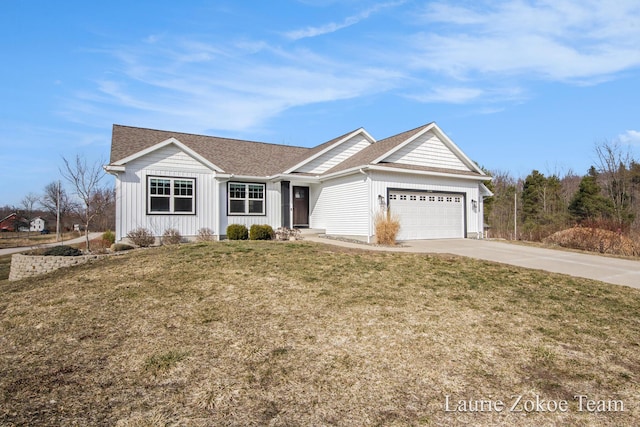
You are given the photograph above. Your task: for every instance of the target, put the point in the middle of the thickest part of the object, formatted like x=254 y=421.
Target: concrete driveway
x=606 y=269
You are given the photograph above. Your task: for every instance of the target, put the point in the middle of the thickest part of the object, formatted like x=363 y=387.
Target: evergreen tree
x=588 y=203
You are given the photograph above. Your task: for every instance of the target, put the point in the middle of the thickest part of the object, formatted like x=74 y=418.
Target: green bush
x=171 y=236
x=261 y=232
x=109 y=237
x=141 y=237
x=237 y=232
x=62 y=250
x=119 y=247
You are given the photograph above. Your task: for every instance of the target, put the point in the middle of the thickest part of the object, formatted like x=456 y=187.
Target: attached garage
x=428 y=215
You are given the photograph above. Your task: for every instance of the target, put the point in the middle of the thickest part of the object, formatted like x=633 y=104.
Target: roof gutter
x=113 y=169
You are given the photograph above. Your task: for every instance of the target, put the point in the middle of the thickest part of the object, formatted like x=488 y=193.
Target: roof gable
x=162 y=145
x=430 y=147
x=334 y=152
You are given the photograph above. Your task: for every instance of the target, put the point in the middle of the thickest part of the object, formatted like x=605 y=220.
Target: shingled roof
x=252 y=158
x=231 y=155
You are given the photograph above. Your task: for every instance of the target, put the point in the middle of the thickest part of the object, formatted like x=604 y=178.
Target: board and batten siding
x=427 y=150
x=131 y=194
x=341 y=206
x=382 y=181
x=273 y=209
x=335 y=156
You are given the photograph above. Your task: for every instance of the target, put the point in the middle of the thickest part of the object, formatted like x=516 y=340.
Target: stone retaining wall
x=34 y=265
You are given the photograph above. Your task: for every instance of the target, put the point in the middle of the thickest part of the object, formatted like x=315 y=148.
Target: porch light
x=474 y=204
x=381 y=200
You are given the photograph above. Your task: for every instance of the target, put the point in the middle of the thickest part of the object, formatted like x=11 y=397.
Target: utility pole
x=58 y=214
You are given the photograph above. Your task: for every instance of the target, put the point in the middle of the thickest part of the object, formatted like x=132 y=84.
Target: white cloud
x=631 y=137
x=335 y=26
x=194 y=86
x=453 y=95
x=562 y=40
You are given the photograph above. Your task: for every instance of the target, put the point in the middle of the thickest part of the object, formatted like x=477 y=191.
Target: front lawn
x=266 y=333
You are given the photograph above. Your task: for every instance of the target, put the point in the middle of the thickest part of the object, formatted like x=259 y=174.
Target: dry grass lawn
x=300 y=334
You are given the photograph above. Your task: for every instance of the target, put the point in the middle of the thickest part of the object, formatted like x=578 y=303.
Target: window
x=423 y=198
x=412 y=197
x=171 y=195
x=403 y=197
x=246 y=198
x=392 y=197
x=432 y=198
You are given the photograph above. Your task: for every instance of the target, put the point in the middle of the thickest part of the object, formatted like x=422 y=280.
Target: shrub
x=119 y=247
x=205 y=235
x=387 y=226
x=594 y=240
x=284 y=233
x=141 y=237
x=109 y=237
x=62 y=250
x=237 y=232
x=261 y=232
x=171 y=236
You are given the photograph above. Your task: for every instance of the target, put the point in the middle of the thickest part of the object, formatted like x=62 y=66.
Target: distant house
x=185 y=181
x=11 y=223
x=38 y=224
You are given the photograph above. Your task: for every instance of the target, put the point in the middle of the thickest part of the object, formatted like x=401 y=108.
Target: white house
x=37 y=224
x=184 y=181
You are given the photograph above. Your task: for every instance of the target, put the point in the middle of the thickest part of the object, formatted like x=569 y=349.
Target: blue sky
x=517 y=84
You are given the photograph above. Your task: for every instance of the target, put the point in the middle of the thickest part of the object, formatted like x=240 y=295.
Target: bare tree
x=85 y=180
x=614 y=163
x=28 y=203
x=55 y=200
x=104 y=205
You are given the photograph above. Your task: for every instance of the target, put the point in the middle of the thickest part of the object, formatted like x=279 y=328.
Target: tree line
x=606 y=197
x=84 y=200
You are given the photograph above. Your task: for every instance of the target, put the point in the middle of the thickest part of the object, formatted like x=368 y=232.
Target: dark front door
x=300 y=206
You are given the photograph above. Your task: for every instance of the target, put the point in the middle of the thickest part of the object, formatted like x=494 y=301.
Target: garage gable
x=430 y=148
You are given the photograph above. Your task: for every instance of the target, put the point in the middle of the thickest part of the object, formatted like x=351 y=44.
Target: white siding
x=341 y=206
x=427 y=150
x=381 y=182
x=169 y=158
x=335 y=156
x=131 y=194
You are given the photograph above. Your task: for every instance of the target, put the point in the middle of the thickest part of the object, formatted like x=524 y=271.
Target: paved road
x=9 y=251
x=606 y=269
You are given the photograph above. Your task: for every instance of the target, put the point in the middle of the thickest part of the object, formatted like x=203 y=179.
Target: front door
x=300 y=206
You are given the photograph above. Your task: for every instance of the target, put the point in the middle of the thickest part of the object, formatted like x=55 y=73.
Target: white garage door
x=428 y=215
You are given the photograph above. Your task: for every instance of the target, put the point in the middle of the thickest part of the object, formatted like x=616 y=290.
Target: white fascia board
x=399 y=146
x=331 y=147
x=350 y=171
x=295 y=178
x=484 y=191
x=428 y=173
x=113 y=169
x=163 y=144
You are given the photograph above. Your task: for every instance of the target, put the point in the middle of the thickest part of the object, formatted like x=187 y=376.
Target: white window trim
x=171 y=196
x=247 y=199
